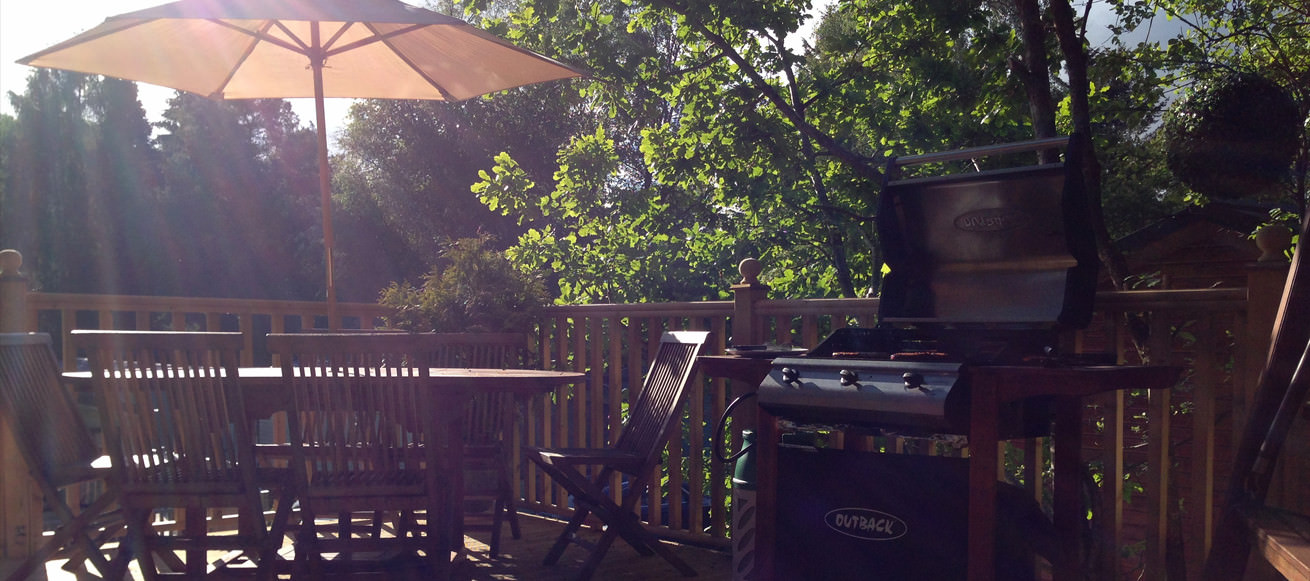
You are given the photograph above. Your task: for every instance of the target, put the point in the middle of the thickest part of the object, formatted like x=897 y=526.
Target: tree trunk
x=1075 y=58
x=1033 y=68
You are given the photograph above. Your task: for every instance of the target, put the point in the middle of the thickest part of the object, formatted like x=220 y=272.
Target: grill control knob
x=848 y=377
x=913 y=380
x=791 y=376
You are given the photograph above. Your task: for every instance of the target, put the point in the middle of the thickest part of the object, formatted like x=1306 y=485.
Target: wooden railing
x=1168 y=450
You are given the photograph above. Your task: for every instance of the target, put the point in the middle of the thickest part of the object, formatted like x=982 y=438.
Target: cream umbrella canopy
x=249 y=49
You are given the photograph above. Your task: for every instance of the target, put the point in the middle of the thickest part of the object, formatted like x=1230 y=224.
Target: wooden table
x=746 y=374
x=260 y=386
x=992 y=387
x=263 y=394
x=748 y=370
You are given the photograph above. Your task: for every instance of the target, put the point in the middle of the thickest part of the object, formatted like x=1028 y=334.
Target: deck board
x=521 y=559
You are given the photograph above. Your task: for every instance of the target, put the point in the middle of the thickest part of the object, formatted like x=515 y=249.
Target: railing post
x=20 y=502
x=747 y=328
x=1265 y=282
x=13 y=293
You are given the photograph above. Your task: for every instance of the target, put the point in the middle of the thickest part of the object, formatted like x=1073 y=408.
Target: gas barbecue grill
x=989 y=271
x=985 y=268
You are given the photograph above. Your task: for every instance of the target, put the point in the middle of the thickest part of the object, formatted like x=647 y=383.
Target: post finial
x=1273 y=240
x=750 y=269
x=10 y=261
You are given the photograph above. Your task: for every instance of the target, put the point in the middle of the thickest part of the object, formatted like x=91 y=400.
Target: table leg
x=984 y=434
x=454 y=464
x=1067 y=463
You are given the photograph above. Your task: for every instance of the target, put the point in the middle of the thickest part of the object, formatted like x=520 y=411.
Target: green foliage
x=402 y=179
x=717 y=137
x=601 y=246
x=476 y=289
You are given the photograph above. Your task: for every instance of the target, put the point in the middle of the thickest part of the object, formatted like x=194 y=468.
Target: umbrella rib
x=386 y=39
x=370 y=40
x=300 y=42
x=340 y=31
x=255 y=37
x=27 y=60
x=262 y=35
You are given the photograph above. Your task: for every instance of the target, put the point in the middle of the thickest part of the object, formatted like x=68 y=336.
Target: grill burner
x=986 y=268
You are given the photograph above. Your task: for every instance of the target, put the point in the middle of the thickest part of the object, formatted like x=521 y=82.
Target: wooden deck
x=521 y=559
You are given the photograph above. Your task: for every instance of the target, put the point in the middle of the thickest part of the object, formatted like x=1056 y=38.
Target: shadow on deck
x=521 y=559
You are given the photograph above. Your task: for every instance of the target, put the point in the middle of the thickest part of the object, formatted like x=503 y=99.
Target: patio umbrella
x=248 y=49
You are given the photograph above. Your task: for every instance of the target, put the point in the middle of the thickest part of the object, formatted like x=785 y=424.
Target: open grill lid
x=1007 y=249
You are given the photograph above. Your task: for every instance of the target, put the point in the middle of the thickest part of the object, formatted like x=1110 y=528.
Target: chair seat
x=1283 y=538
x=380 y=483
x=172 y=481
x=96 y=469
x=623 y=460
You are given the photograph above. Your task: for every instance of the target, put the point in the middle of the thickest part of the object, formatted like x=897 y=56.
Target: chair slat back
x=481 y=350
x=660 y=402
x=46 y=424
x=171 y=406
x=359 y=404
x=487 y=414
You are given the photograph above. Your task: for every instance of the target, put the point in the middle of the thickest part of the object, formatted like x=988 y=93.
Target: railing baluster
x=1205 y=384
x=1159 y=460
x=594 y=400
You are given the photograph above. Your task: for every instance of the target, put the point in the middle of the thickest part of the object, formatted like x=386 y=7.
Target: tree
x=45 y=206
x=762 y=149
x=599 y=217
x=238 y=211
x=403 y=178
x=210 y=209
x=1233 y=137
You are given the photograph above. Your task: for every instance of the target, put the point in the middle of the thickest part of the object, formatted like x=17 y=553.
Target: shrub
x=477 y=290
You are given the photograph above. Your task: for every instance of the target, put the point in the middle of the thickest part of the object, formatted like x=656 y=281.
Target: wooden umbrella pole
x=316 y=59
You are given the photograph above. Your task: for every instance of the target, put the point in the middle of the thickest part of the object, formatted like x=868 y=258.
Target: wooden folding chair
x=586 y=472
x=61 y=455
x=488 y=491
x=177 y=430
x=366 y=440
